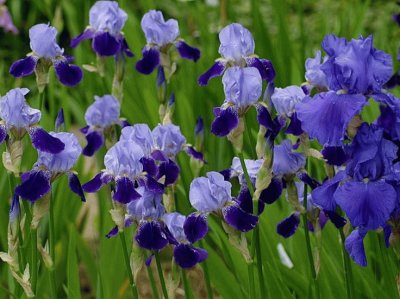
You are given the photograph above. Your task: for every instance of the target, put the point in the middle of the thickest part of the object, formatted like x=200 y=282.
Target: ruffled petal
x=195 y=227
x=125 y=191
x=216 y=70
x=23 y=67
x=94 y=142
x=264 y=66
x=87 y=34
x=105 y=44
x=35 y=185
x=44 y=142
x=186 y=51
x=323 y=195
x=68 y=74
x=149 y=166
x=75 y=185
x=150 y=235
x=326 y=116
x=150 y=60
x=225 y=121
x=272 y=192
x=361 y=204
x=239 y=219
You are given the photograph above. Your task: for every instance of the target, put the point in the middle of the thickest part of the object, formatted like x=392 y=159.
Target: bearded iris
x=46 y=53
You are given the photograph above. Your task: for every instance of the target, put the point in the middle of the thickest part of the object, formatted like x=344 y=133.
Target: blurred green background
x=286 y=32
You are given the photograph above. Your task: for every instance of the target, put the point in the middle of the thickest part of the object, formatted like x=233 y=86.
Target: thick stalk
x=128 y=266
x=186 y=285
x=255 y=238
x=161 y=275
x=152 y=283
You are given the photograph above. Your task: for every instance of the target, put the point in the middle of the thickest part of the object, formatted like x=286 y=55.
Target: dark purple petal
x=149 y=260
x=187 y=256
x=367 y=205
x=150 y=60
x=387 y=231
x=170 y=170
x=105 y=44
x=326 y=116
x=84 y=130
x=3 y=133
x=14 y=209
x=225 y=121
x=94 y=184
x=186 y=51
x=87 y=34
x=34 y=186
x=227 y=173
x=272 y=192
x=305 y=178
x=246 y=203
x=125 y=48
x=75 y=185
x=264 y=66
x=113 y=232
x=323 y=195
x=60 y=121
x=159 y=156
x=334 y=155
x=195 y=227
x=94 y=142
x=125 y=191
x=160 y=76
x=337 y=220
x=294 y=127
x=396 y=18
x=239 y=219
x=195 y=154
x=23 y=67
x=149 y=166
x=43 y=141
x=151 y=236
x=288 y=226
x=355 y=247
x=68 y=74
x=217 y=69
x=393 y=81
x=153 y=186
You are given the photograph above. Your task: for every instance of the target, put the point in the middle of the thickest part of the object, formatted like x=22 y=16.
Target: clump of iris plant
x=46 y=53
x=161 y=35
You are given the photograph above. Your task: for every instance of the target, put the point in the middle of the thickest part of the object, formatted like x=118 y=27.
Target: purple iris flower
x=100 y=116
x=355 y=66
x=314 y=74
x=237 y=49
x=5 y=19
x=123 y=162
x=213 y=194
x=18 y=118
x=37 y=182
x=160 y=35
x=106 y=21
x=242 y=88
x=389 y=119
x=285 y=99
x=185 y=231
x=285 y=160
x=46 y=52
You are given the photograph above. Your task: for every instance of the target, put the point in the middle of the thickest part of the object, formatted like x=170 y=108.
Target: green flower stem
x=152 y=283
x=204 y=265
x=128 y=265
x=186 y=285
x=347 y=267
x=52 y=239
x=308 y=242
x=161 y=275
x=255 y=238
x=34 y=263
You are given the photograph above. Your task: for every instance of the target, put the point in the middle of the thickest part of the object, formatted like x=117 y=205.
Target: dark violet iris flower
x=124 y=167
x=237 y=49
x=160 y=36
x=45 y=53
x=18 y=118
x=106 y=21
x=213 y=194
x=100 y=116
x=37 y=182
x=185 y=231
x=242 y=88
